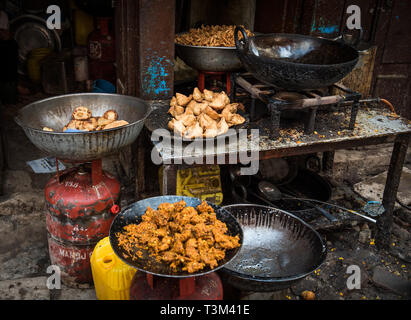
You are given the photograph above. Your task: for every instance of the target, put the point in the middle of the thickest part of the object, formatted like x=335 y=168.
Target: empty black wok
x=278 y=249
x=132 y=214
x=293 y=61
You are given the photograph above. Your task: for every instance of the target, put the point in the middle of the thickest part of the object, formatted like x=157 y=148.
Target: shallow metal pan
x=132 y=214
x=278 y=250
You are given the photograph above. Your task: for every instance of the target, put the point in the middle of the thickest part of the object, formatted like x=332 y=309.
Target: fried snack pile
x=210 y=36
x=204 y=114
x=181 y=236
x=82 y=119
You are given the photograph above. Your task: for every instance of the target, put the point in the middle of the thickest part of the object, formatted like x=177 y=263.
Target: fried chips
x=210 y=36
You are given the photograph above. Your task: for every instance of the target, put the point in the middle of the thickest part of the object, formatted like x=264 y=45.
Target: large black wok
x=132 y=214
x=293 y=61
x=278 y=249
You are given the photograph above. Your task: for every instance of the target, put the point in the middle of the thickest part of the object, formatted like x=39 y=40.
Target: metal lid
x=31 y=32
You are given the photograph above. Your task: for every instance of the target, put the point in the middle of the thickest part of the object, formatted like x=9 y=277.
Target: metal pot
x=218 y=59
x=294 y=61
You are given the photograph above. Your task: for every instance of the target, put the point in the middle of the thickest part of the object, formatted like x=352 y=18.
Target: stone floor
x=24 y=255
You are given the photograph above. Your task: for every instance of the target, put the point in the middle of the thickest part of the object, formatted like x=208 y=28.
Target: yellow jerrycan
x=111 y=276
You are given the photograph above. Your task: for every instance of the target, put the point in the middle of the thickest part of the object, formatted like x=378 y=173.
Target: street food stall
x=223 y=181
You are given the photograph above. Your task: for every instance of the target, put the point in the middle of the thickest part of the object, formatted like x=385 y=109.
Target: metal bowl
x=56 y=112
x=132 y=214
x=278 y=250
x=218 y=59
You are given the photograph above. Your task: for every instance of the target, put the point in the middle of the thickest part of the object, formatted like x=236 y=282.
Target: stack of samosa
x=204 y=114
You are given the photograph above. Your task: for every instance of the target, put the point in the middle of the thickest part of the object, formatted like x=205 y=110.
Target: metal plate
x=132 y=214
x=160 y=118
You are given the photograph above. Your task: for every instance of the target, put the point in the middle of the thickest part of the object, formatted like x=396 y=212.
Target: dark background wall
x=386 y=24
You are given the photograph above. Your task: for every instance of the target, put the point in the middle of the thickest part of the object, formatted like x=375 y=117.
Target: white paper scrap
x=45 y=165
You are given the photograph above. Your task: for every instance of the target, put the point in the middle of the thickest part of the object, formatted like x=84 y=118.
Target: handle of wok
x=326 y=214
x=353 y=44
x=243 y=43
x=239 y=187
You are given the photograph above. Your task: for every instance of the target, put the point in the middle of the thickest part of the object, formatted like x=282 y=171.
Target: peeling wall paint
x=324 y=27
x=154 y=82
x=328 y=29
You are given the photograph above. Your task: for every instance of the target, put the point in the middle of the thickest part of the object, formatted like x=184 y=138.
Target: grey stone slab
x=373 y=188
x=67 y=293
x=389 y=281
x=24 y=289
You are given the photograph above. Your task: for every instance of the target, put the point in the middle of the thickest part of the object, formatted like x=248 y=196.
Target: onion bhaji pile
x=210 y=36
x=181 y=236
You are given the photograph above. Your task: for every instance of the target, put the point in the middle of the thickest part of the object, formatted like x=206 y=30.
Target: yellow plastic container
x=34 y=63
x=202 y=182
x=111 y=276
x=83 y=26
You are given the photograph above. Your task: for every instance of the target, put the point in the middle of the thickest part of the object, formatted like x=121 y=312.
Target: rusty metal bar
x=384 y=222
x=310 y=120
x=328 y=161
x=169 y=179
x=255 y=92
x=156 y=48
x=145 y=48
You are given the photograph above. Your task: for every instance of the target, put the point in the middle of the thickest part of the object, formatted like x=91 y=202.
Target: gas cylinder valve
x=115 y=209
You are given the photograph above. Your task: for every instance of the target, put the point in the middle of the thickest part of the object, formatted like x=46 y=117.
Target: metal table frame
x=399 y=137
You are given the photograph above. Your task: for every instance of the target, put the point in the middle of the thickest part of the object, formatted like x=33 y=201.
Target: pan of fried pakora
x=83 y=126
x=175 y=236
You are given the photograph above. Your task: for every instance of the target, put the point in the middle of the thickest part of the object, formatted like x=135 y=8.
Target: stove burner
x=221 y=75
x=289 y=96
x=287 y=104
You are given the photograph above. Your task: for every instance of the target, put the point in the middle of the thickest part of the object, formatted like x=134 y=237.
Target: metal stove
x=279 y=102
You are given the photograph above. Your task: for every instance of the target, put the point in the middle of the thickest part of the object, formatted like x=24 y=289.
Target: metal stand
x=202 y=75
x=384 y=222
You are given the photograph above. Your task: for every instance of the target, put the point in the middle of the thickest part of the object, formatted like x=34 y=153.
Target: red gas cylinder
x=80 y=208
x=101 y=51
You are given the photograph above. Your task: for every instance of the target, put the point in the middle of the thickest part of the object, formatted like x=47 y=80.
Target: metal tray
x=160 y=118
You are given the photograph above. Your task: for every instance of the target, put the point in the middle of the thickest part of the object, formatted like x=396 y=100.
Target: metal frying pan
x=278 y=250
x=132 y=214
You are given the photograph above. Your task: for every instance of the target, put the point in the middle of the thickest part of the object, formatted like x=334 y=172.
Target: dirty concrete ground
x=384 y=275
